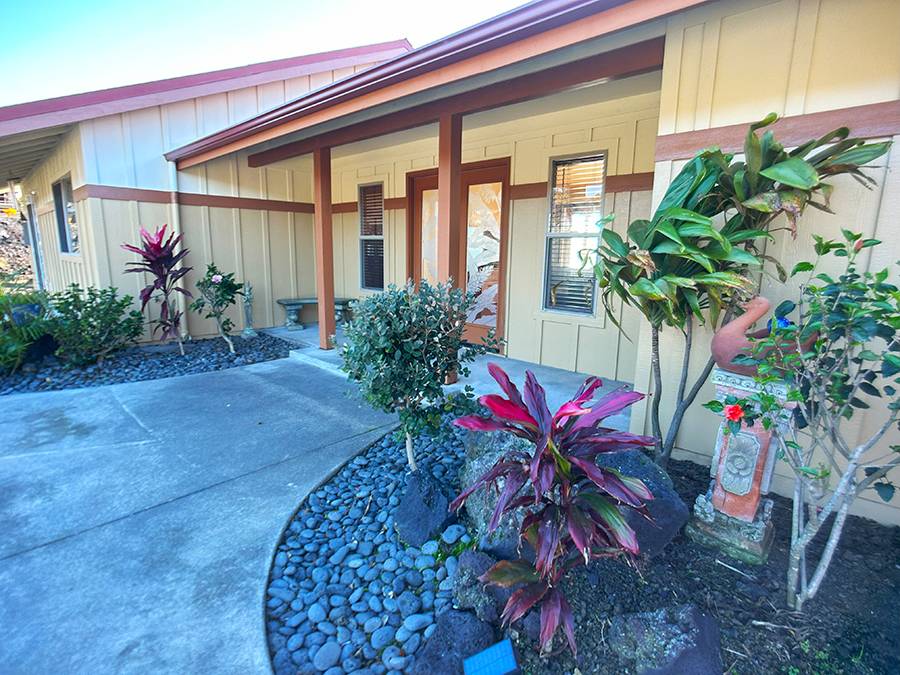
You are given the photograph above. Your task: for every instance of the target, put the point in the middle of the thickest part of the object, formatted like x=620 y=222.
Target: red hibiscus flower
x=734 y=413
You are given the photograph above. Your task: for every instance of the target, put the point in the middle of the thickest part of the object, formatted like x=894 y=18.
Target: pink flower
x=216 y=278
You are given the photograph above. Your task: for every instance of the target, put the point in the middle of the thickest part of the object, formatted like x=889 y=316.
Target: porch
x=518 y=223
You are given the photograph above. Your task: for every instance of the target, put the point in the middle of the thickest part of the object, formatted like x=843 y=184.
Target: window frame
x=363 y=238
x=63 y=231
x=549 y=236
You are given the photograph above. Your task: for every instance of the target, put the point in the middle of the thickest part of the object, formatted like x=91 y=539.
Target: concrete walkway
x=560 y=385
x=138 y=520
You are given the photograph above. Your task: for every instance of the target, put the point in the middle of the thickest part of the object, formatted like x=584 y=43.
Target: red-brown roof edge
x=20 y=110
x=535 y=17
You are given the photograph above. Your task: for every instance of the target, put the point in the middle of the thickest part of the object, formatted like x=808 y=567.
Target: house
x=91 y=170
x=486 y=156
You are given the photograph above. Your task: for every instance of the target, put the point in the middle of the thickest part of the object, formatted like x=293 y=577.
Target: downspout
x=175 y=220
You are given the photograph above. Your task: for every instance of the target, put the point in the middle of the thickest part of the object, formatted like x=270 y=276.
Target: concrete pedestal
x=732 y=515
x=745 y=541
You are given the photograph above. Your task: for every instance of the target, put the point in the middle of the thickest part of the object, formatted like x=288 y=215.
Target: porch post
x=324 y=244
x=449 y=251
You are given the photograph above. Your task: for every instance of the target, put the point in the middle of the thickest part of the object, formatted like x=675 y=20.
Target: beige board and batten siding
x=817 y=55
x=62 y=269
x=261 y=246
x=622 y=124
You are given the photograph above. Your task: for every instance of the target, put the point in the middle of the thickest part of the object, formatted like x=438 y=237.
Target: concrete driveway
x=138 y=520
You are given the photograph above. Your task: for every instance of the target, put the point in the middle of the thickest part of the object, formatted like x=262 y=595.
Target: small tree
x=218 y=292
x=575 y=512
x=403 y=344
x=89 y=324
x=160 y=261
x=692 y=260
x=841 y=354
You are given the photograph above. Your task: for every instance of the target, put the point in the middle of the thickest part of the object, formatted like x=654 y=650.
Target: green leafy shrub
x=691 y=261
x=403 y=344
x=91 y=323
x=838 y=352
x=23 y=321
x=218 y=292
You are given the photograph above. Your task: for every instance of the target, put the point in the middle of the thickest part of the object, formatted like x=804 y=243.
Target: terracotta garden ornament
x=732 y=514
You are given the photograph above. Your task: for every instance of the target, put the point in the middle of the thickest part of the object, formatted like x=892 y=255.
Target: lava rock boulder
x=457 y=636
x=487 y=601
x=423 y=511
x=668 y=511
x=669 y=641
x=482 y=452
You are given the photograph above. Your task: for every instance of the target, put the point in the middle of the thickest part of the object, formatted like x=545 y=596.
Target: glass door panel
x=429 y=235
x=484 y=209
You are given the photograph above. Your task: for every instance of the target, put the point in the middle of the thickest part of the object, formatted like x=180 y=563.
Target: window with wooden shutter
x=576 y=208
x=371 y=236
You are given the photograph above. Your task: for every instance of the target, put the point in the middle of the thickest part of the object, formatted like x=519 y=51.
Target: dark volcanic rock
x=458 y=635
x=469 y=593
x=482 y=452
x=423 y=512
x=669 y=641
x=667 y=509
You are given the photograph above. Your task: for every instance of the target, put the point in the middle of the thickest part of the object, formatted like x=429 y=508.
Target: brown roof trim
x=872 y=120
x=633 y=59
x=52 y=111
x=512 y=27
x=128 y=194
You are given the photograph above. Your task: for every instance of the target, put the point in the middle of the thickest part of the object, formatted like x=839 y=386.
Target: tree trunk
x=657 y=391
x=410 y=455
x=795 y=558
x=225 y=336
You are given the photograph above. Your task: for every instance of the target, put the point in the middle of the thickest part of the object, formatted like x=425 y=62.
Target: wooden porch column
x=324 y=244
x=449 y=254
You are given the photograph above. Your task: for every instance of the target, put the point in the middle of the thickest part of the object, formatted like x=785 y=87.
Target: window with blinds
x=371 y=236
x=66 y=220
x=576 y=207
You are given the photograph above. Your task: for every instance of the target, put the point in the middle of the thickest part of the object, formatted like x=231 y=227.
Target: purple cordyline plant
x=572 y=512
x=159 y=259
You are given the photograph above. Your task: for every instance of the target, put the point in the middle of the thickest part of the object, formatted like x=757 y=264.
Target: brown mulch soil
x=851 y=626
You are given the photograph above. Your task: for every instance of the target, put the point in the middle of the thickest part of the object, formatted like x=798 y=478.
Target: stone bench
x=292 y=307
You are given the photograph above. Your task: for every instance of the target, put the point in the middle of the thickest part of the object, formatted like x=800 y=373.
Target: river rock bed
x=345 y=595
x=146 y=362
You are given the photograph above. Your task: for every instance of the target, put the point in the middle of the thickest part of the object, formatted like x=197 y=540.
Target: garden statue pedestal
x=248 y=331
x=732 y=514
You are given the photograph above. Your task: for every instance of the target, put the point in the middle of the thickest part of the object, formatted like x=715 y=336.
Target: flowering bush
x=218 y=292
x=574 y=513
x=840 y=355
x=160 y=261
x=736 y=411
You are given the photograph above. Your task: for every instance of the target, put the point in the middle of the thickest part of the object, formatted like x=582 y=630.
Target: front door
x=484 y=198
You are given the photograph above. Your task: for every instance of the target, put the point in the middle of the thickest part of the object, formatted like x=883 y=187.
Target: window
x=371 y=236
x=66 y=221
x=576 y=207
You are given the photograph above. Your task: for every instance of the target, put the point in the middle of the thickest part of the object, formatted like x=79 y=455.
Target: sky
x=62 y=47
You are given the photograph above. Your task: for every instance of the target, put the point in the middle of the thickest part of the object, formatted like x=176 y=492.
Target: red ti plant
x=159 y=260
x=572 y=512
